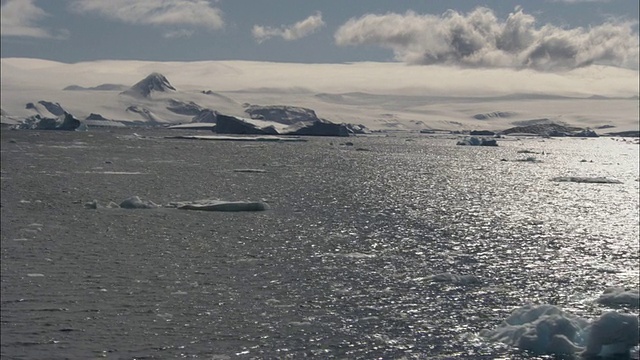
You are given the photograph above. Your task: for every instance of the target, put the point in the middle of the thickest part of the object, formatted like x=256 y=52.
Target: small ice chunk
x=529 y=159
x=547 y=329
x=455 y=278
x=92 y=205
x=476 y=141
x=591 y=180
x=618 y=296
x=112 y=205
x=612 y=333
x=543 y=329
x=135 y=202
x=218 y=205
x=250 y=170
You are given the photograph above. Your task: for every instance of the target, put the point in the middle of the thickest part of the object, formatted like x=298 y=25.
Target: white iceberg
x=618 y=296
x=218 y=205
x=135 y=202
x=547 y=330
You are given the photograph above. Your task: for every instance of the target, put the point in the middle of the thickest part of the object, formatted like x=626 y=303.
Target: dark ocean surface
x=339 y=267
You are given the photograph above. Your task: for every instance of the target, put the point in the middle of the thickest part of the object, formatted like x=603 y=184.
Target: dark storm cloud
x=480 y=39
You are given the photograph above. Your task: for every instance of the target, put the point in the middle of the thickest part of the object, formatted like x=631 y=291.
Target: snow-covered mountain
x=153 y=83
x=385 y=96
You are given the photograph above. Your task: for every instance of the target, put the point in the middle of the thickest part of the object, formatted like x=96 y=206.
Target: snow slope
x=388 y=96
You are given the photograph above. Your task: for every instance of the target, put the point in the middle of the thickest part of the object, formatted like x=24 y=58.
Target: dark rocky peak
x=206 y=116
x=52 y=107
x=281 y=113
x=155 y=82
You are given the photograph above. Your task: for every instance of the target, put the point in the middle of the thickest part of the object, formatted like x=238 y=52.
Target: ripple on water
x=342 y=266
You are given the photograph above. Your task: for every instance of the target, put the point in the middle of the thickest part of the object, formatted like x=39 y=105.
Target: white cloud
x=292 y=32
x=155 y=12
x=580 y=1
x=20 y=18
x=182 y=33
x=480 y=39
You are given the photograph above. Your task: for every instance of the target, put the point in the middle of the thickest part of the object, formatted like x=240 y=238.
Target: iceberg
x=591 y=180
x=549 y=330
x=64 y=122
x=619 y=296
x=135 y=202
x=218 y=205
x=476 y=141
x=322 y=128
x=455 y=278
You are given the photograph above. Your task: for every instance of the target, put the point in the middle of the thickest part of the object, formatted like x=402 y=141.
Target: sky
x=545 y=35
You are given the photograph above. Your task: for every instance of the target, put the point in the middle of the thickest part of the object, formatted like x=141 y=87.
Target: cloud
x=480 y=39
x=198 y=13
x=580 y=1
x=20 y=17
x=293 y=32
x=182 y=33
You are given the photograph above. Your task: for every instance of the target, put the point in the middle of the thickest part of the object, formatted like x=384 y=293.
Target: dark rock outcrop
x=232 y=125
x=183 y=108
x=64 y=122
x=93 y=116
x=155 y=82
x=322 y=128
x=585 y=133
x=142 y=111
x=53 y=108
x=205 y=116
x=631 y=133
x=552 y=130
x=482 y=133
x=495 y=114
x=101 y=87
x=282 y=114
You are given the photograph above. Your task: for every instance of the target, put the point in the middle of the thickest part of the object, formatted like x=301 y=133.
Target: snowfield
x=380 y=96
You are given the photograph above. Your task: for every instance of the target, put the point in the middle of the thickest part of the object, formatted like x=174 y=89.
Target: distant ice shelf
x=236 y=138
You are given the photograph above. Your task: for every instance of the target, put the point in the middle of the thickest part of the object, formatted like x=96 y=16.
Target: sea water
x=350 y=261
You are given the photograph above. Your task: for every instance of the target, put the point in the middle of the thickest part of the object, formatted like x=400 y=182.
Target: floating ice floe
x=618 y=296
x=454 y=278
x=94 y=204
x=250 y=170
x=218 y=205
x=135 y=202
x=592 y=180
x=476 y=141
x=528 y=159
x=548 y=330
x=236 y=138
